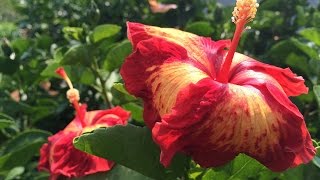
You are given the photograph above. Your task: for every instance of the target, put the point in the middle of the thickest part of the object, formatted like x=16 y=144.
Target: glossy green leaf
x=312 y=34
x=118 y=172
x=201 y=28
x=77 y=54
x=19 y=150
x=132 y=147
x=116 y=55
x=104 y=31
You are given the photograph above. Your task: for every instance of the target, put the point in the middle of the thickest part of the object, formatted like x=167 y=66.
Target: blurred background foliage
x=88 y=38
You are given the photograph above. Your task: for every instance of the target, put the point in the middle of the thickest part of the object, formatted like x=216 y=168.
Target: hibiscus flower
x=157 y=7
x=206 y=100
x=59 y=156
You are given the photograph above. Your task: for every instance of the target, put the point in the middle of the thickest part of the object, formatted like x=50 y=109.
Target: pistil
x=243 y=13
x=72 y=94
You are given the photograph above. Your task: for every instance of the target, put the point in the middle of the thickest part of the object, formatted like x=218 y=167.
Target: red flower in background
x=59 y=157
x=157 y=7
x=212 y=103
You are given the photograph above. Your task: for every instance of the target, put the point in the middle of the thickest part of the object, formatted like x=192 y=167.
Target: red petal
x=70 y=162
x=213 y=126
x=292 y=84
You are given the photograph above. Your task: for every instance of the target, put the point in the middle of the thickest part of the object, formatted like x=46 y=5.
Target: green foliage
x=132 y=147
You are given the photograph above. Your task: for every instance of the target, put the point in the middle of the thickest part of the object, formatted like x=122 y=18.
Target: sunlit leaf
x=104 y=31
x=312 y=34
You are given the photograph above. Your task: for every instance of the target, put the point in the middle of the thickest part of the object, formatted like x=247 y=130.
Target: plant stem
x=104 y=91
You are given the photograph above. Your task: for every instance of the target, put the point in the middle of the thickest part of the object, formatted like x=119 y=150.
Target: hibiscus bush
x=95 y=89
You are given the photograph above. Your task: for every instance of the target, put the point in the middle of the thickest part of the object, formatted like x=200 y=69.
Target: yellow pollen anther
x=73 y=95
x=245 y=10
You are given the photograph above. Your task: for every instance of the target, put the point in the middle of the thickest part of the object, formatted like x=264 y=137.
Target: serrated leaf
x=116 y=55
x=132 y=147
x=312 y=34
x=104 y=31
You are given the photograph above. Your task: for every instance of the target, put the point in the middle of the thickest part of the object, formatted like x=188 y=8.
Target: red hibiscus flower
x=60 y=158
x=157 y=7
x=207 y=101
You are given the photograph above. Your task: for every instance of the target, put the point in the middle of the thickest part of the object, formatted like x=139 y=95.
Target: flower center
x=243 y=13
x=72 y=93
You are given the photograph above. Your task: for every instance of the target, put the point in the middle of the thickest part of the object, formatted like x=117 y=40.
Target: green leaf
x=21 y=45
x=73 y=32
x=132 y=147
x=87 y=77
x=316 y=90
x=136 y=111
x=8 y=66
x=19 y=150
x=201 y=28
x=120 y=87
x=316 y=161
x=312 y=34
x=305 y=48
x=49 y=71
x=44 y=42
x=15 y=172
x=116 y=55
x=104 y=31
x=5 y=116
x=75 y=55
x=242 y=167
x=4 y=123
x=117 y=172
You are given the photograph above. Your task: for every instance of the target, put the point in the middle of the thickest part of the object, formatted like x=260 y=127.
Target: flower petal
x=70 y=162
x=213 y=127
x=291 y=84
x=204 y=51
x=156 y=72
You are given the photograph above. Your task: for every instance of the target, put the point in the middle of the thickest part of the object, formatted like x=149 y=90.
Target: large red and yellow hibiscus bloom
x=60 y=158
x=203 y=99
